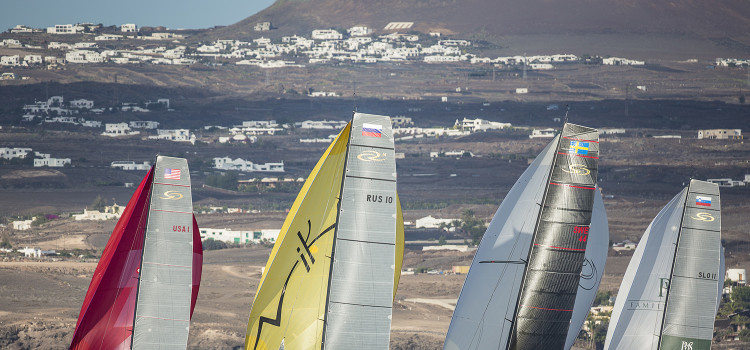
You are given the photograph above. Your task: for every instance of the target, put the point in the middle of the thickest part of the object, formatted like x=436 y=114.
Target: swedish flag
x=578 y=147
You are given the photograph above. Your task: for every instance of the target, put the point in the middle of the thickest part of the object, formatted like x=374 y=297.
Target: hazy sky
x=169 y=13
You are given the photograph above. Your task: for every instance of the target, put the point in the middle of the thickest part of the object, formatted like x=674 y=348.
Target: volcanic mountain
x=726 y=22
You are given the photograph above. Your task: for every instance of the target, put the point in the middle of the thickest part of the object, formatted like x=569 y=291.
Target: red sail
x=197 y=264
x=106 y=318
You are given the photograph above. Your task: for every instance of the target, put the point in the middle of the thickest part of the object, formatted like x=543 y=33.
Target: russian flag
x=372 y=130
x=703 y=201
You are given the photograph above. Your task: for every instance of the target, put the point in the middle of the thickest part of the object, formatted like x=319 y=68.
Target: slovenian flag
x=703 y=201
x=372 y=130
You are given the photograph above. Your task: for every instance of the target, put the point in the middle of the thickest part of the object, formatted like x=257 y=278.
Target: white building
x=144 y=124
x=177 y=135
x=82 y=104
x=22 y=225
x=327 y=34
x=35 y=252
x=130 y=165
x=13 y=60
x=51 y=162
x=227 y=163
x=736 y=275
x=10 y=153
x=475 y=125
x=107 y=37
x=129 y=28
x=720 y=134
x=118 y=129
x=239 y=236
x=83 y=56
x=20 y=28
x=65 y=29
x=359 y=31
x=322 y=124
x=262 y=26
x=431 y=222
x=542 y=133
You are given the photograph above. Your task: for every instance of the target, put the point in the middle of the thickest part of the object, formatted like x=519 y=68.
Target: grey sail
x=723 y=274
x=668 y=297
x=483 y=317
x=639 y=307
x=593 y=268
x=358 y=309
x=162 y=312
x=550 y=285
x=690 y=305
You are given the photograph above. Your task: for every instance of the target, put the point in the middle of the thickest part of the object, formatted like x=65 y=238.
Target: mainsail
x=333 y=272
x=521 y=291
x=670 y=292
x=108 y=315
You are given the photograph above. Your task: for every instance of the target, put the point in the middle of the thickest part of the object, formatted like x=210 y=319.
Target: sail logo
x=372 y=130
x=577 y=169
x=644 y=305
x=371 y=156
x=707 y=275
x=686 y=345
x=375 y=198
x=172 y=195
x=703 y=201
x=579 y=147
x=703 y=216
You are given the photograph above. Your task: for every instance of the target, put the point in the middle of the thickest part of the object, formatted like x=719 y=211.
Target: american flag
x=172 y=174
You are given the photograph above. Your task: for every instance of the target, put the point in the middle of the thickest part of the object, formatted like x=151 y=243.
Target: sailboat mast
x=335 y=233
x=533 y=238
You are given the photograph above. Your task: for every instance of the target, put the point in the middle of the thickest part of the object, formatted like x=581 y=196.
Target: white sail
x=486 y=306
x=639 y=307
x=593 y=269
x=162 y=312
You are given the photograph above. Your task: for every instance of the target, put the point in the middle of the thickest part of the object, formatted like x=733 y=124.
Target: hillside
x=724 y=23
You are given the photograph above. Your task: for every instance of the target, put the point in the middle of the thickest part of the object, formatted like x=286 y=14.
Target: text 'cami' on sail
x=143 y=291
x=671 y=290
x=333 y=271
x=540 y=262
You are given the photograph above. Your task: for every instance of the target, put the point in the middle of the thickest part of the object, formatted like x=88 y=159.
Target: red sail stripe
x=584 y=187
x=570 y=138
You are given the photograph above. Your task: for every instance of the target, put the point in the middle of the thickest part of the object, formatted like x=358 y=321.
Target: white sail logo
x=687 y=346
x=173 y=195
x=577 y=169
x=703 y=216
x=371 y=156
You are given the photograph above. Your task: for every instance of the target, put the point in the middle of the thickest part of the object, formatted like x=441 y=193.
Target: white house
x=177 y=135
x=475 y=125
x=327 y=34
x=20 y=28
x=32 y=59
x=431 y=222
x=542 y=133
x=51 y=162
x=10 y=153
x=65 y=29
x=720 y=134
x=736 y=275
x=22 y=225
x=35 y=252
x=110 y=212
x=82 y=104
x=262 y=26
x=129 y=28
x=13 y=60
x=118 y=129
x=322 y=124
x=226 y=163
x=359 y=31
x=130 y=165
x=239 y=236
x=144 y=124
x=83 y=56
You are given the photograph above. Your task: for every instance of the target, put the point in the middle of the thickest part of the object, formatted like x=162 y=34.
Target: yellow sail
x=291 y=299
x=399 y=245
